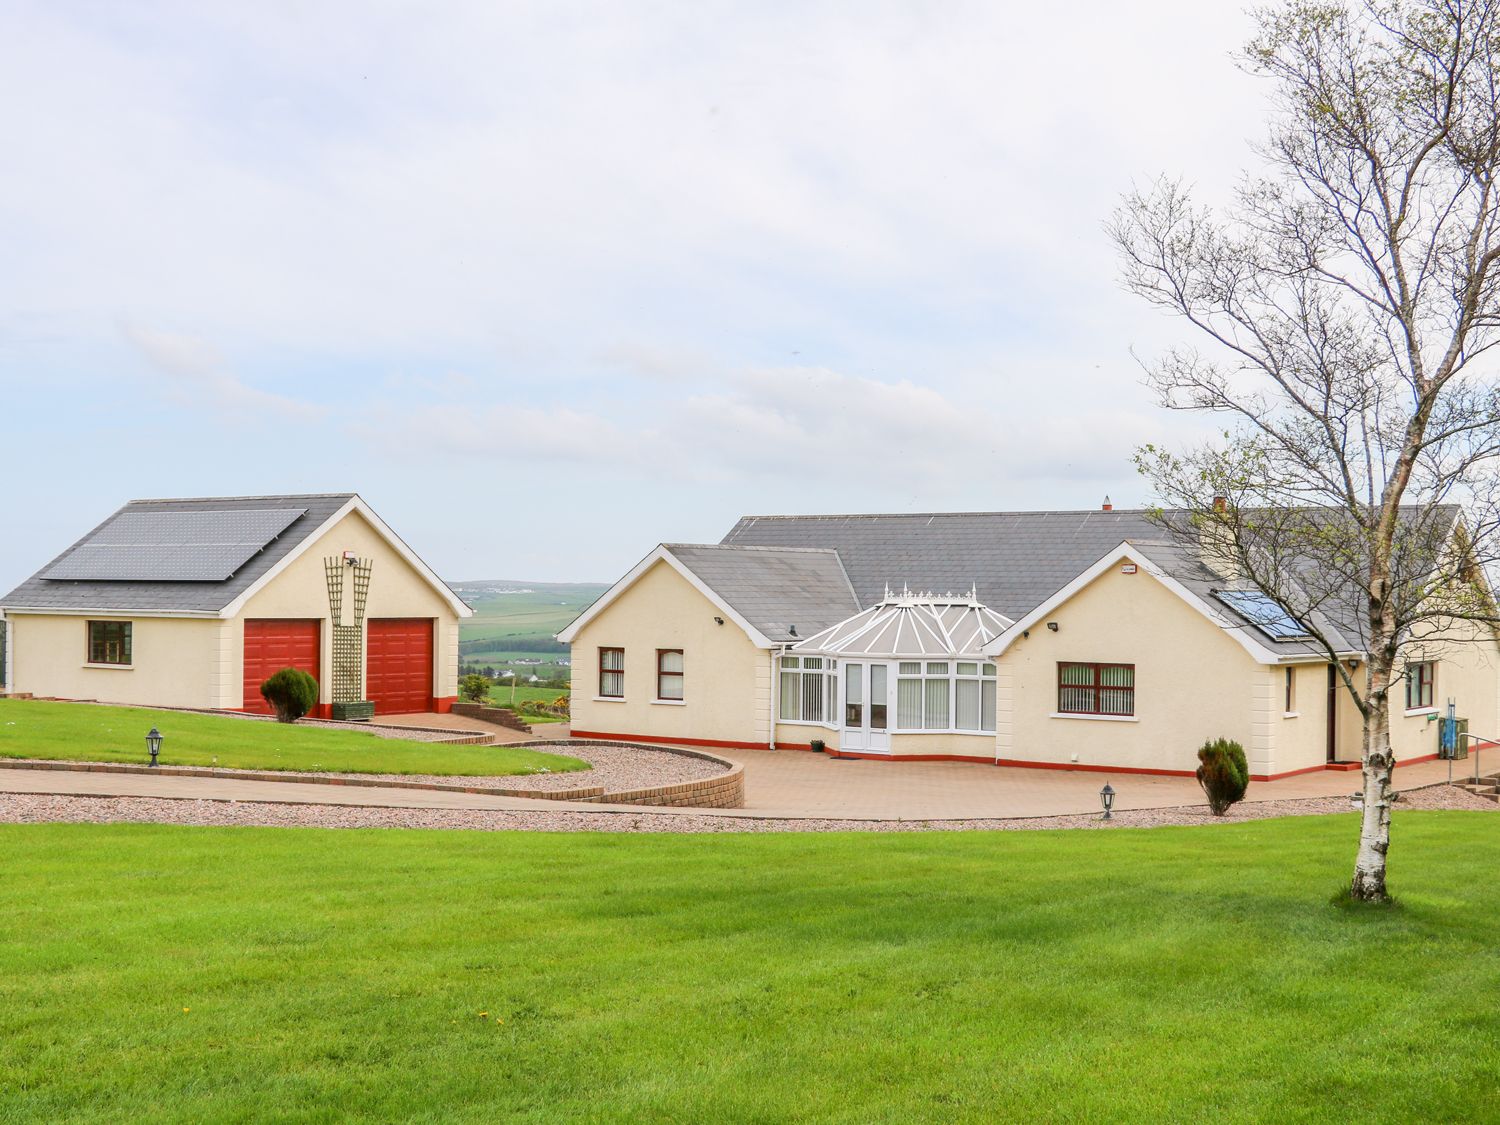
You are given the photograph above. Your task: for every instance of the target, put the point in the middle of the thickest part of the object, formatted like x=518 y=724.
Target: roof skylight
x=1265 y=613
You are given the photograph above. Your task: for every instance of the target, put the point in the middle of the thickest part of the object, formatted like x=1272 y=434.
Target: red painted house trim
x=443 y=704
x=1189 y=773
x=1017 y=763
x=910 y=757
x=607 y=736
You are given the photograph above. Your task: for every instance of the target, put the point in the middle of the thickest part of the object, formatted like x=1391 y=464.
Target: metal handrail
x=1477 y=738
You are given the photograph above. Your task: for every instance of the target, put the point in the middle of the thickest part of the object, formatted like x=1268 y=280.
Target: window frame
x=1425 y=683
x=620 y=671
x=796 y=672
x=985 y=675
x=1289 y=691
x=1097 y=687
x=681 y=697
x=124 y=642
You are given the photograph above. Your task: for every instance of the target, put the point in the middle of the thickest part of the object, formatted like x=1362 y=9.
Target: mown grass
x=1194 y=974
x=81 y=732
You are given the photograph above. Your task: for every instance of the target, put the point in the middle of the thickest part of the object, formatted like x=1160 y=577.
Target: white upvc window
x=933 y=695
x=808 y=690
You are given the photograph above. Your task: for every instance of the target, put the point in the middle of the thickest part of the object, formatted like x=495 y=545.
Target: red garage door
x=272 y=644
x=399 y=666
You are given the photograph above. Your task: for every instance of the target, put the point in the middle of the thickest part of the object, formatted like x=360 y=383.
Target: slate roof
x=774 y=588
x=1013 y=560
x=1184 y=565
x=38 y=592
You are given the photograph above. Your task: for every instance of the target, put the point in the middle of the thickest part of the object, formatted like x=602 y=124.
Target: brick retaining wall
x=724 y=791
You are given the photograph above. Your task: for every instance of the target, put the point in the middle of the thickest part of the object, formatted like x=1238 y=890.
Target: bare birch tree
x=1346 y=301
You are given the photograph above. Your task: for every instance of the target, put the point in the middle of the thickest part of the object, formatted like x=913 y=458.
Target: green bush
x=474 y=687
x=291 y=693
x=1223 y=773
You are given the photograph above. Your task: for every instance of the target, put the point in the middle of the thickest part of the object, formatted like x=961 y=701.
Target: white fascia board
x=355 y=504
x=1123 y=553
x=661 y=554
x=72 y=611
x=459 y=606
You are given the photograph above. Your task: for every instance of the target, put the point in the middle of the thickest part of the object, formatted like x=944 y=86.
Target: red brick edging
x=725 y=791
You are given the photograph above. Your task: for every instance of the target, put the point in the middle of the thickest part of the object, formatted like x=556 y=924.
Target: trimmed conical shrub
x=1223 y=773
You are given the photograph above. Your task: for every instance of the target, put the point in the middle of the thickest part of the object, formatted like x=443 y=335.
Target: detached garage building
x=193 y=603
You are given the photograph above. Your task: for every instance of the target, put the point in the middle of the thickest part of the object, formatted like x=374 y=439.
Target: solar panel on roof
x=196 y=546
x=1264 y=612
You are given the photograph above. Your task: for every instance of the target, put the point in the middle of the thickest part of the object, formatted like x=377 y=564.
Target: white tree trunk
x=1368 y=884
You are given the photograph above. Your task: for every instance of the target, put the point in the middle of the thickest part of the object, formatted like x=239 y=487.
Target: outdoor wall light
x=153 y=744
x=1052 y=626
x=718 y=621
x=1107 y=798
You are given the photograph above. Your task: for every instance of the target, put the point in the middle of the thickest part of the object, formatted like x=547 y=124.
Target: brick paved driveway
x=798 y=783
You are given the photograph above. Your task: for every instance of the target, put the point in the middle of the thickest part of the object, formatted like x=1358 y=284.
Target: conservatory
x=910 y=668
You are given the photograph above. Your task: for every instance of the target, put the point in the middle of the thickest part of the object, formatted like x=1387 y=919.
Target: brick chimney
x=1107 y=506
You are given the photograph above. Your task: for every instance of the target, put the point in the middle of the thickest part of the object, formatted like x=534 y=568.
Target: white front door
x=866 y=707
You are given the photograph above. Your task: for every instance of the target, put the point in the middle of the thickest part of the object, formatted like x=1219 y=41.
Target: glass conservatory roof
x=912 y=625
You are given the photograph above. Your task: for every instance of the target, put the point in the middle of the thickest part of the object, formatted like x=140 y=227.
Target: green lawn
x=83 y=733
x=501 y=695
x=1190 y=974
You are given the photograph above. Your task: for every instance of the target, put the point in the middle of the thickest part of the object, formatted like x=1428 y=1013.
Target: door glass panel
x=877 y=697
x=854 y=696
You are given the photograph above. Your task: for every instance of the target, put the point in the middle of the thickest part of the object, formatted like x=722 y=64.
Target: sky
x=551 y=283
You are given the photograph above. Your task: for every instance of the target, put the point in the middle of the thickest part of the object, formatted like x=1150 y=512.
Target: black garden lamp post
x=153 y=744
x=1107 y=798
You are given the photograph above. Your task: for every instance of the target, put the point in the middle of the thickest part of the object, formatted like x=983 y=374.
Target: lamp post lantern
x=1107 y=798
x=153 y=744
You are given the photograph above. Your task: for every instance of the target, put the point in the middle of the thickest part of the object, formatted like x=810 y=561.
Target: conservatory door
x=866 y=708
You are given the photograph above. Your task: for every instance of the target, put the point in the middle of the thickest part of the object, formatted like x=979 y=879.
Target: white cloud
x=801 y=423
x=197 y=374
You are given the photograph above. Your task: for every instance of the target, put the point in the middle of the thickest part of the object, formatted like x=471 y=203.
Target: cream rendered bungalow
x=1064 y=640
x=193 y=603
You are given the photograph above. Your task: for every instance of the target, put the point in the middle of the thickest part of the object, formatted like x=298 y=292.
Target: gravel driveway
x=617 y=768
x=18 y=808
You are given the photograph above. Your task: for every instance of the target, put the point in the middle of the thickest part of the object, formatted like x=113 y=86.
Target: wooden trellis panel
x=348 y=640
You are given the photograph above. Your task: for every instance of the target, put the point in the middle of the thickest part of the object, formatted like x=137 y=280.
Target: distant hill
x=513 y=616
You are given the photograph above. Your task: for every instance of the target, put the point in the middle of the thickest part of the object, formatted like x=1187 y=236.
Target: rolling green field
x=1177 y=974
x=520 y=618
x=83 y=733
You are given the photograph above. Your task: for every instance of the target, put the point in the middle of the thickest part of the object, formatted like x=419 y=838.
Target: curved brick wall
x=725 y=791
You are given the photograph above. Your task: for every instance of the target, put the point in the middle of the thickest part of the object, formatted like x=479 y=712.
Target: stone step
x=500 y=716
